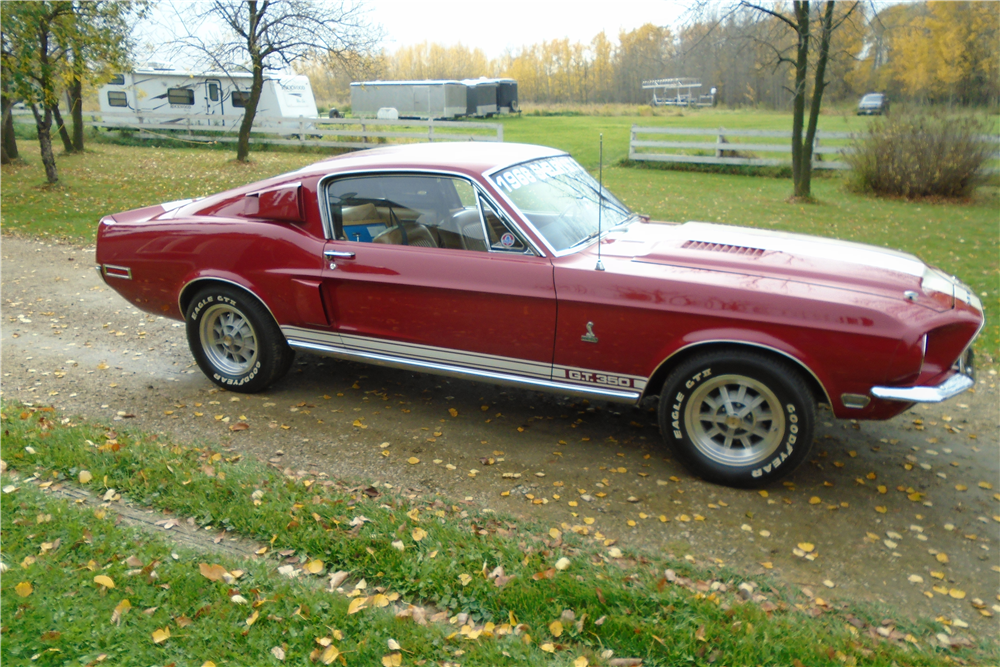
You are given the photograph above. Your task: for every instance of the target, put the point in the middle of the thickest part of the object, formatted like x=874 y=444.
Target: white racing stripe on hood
x=803 y=245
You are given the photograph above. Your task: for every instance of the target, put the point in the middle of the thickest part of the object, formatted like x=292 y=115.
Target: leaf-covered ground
x=361 y=576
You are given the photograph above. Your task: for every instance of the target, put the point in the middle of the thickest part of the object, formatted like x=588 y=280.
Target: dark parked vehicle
x=873 y=104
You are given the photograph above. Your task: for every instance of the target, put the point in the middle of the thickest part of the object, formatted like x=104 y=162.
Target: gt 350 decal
x=599 y=378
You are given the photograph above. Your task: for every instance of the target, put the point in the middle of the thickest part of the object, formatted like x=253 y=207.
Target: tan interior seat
x=407 y=233
x=470 y=227
x=363 y=214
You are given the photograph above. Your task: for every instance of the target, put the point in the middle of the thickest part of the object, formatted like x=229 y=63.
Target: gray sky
x=495 y=26
x=492 y=26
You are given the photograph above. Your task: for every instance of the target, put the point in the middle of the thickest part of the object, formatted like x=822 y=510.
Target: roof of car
x=471 y=156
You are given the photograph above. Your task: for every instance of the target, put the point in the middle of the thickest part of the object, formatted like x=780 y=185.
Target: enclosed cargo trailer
x=411 y=99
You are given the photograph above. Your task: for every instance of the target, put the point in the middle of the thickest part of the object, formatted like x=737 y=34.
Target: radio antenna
x=600 y=201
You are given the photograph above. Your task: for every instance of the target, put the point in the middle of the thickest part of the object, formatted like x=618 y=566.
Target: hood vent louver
x=722 y=247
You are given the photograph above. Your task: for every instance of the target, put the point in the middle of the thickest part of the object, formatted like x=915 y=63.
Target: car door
x=414 y=274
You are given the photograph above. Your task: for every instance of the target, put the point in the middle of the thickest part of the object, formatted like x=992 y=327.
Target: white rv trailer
x=160 y=95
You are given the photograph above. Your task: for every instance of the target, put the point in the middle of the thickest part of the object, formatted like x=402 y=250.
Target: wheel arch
x=656 y=381
x=187 y=293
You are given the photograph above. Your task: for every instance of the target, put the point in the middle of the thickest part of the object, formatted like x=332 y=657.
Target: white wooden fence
x=722 y=146
x=323 y=132
x=728 y=147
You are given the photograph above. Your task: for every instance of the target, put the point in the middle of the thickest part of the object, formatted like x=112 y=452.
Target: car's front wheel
x=737 y=418
x=235 y=340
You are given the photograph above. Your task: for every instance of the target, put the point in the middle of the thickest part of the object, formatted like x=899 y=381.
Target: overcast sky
x=494 y=26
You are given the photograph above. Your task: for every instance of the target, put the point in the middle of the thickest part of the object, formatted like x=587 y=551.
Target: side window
x=182 y=96
x=240 y=99
x=117 y=80
x=409 y=209
x=213 y=92
x=117 y=99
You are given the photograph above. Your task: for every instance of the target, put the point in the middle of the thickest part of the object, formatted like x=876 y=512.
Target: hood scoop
x=723 y=247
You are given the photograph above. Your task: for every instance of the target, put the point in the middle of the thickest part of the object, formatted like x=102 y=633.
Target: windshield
x=561 y=200
x=871 y=99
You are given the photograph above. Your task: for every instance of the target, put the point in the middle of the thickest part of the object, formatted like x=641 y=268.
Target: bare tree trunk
x=63 y=134
x=43 y=122
x=8 y=142
x=817 y=100
x=799 y=99
x=257 y=62
x=75 y=95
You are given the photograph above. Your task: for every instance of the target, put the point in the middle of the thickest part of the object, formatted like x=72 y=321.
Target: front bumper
x=962 y=380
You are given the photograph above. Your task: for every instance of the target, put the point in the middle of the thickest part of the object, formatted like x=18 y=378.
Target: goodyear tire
x=235 y=341
x=737 y=418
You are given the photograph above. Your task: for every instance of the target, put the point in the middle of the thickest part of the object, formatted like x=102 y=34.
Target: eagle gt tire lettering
x=737 y=418
x=235 y=340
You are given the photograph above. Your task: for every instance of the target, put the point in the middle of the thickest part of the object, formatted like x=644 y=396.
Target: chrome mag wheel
x=228 y=339
x=735 y=420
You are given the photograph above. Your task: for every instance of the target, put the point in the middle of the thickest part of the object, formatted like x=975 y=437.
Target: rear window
x=240 y=99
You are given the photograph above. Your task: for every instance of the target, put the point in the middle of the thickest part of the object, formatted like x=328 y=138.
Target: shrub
x=920 y=156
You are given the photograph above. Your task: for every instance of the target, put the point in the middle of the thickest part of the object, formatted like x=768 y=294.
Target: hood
x=779 y=255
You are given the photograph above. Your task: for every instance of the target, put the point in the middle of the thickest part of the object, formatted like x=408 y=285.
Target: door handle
x=338 y=254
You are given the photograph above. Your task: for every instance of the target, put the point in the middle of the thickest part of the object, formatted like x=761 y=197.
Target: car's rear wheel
x=737 y=418
x=235 y=340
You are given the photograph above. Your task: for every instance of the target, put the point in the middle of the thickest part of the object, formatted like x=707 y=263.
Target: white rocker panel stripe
x=472 y=360
x=424 y=353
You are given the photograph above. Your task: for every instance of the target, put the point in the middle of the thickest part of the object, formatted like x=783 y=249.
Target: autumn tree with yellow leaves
x=939 y=52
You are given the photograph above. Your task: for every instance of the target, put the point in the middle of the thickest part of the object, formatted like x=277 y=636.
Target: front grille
x=722 y=247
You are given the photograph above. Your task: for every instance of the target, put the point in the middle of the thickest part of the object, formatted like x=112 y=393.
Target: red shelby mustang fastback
x=481 y=261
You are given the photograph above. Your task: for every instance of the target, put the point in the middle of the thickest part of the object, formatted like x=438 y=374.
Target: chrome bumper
x=962 y=380
x=953 y=386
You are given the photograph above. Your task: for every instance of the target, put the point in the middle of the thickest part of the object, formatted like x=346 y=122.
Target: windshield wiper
x=589 y=237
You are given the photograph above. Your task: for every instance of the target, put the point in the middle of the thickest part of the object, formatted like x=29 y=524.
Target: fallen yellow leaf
x=548 y=647
x=942 y=557
x=161 y=635
x=413 y=460
x=253 y=618
x=105 y=581
x=313 y=567
x=418 y=534
x=213 y=572
x=556 y=628
x=85 y=476
x=806 y=546
x=23 y=589
x=581 y=661
x=330 y=653
x=357 y=604
x=465 y=579
x=815 y=500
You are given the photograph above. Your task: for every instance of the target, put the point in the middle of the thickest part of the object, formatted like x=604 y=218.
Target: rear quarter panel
x=277 y=261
